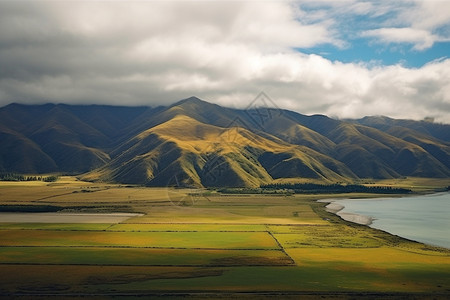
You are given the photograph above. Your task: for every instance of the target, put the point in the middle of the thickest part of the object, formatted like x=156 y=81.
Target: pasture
x=189 y=243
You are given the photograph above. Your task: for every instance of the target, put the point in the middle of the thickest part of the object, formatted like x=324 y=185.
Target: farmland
x=195 y=243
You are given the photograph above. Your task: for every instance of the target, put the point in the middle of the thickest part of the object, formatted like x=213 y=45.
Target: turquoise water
x=421 y=218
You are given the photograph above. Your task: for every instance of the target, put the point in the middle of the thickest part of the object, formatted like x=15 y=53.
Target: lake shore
x=420 y=218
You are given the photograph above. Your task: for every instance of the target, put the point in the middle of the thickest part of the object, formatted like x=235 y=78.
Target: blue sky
x=360 y=51
x=342 y=58
x=352 y=25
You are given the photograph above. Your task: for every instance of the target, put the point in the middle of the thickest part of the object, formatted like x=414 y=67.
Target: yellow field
x=414 y=183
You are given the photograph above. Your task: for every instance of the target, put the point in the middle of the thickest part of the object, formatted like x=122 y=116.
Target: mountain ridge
x=196 y=143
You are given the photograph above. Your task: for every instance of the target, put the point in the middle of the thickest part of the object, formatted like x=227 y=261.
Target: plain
x=197 y=243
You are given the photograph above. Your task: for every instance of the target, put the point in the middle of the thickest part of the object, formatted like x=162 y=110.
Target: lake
x=421 y=218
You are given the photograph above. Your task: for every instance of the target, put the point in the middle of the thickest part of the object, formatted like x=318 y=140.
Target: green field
x=209 y=246
x=132 y=239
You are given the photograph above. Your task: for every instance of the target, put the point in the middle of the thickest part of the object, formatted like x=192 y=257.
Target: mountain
x=184 y=150
x=59 y=138
x=431 y=138
x=196 y=143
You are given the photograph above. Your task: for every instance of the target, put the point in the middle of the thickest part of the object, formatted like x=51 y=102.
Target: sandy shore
x=355 y=218
x=337 y=208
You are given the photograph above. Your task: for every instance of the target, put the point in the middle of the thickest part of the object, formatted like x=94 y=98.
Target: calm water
x=421 y=218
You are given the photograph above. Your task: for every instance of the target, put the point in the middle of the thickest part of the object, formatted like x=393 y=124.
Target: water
x=421 y=218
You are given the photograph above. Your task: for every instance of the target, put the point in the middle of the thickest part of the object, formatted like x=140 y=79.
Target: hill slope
x=196 y=143
x=186 y=151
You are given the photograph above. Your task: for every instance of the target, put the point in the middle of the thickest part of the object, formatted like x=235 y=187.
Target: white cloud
x=422 y=39
x=427 y=14
x=418 y=22
x=225 y=52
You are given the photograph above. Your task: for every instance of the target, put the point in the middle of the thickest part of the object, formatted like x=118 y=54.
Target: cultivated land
x=200 y=244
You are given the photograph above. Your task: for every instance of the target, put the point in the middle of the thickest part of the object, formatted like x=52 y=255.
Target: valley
x=225 y=149
x=198 y=243
x=195 y=200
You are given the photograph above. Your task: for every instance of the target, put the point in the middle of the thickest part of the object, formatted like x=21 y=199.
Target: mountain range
x=196 y=143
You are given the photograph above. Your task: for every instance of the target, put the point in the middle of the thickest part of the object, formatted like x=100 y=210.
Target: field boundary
x=282 y=248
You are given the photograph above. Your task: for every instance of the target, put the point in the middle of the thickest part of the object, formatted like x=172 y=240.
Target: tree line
x=303 y=188
x=20 y=177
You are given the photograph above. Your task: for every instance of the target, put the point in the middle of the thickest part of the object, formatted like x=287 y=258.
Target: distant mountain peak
x=191 y=100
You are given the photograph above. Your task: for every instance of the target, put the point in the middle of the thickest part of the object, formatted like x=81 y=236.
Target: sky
x=344 y=59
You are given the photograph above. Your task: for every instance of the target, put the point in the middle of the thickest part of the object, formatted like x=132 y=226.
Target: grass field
x=198 y=245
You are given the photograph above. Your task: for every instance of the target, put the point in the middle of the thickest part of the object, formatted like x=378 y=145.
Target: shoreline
x=336 y=209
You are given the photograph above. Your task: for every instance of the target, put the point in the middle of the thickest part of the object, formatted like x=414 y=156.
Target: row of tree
x=20 y=177
x=254 y=191
x=302 y=188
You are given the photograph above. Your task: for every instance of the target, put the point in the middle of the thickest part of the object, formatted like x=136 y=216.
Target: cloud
x=418 y=22
x=421 y=39
x=427 y=14
x=312 y=84
x=152 y=53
